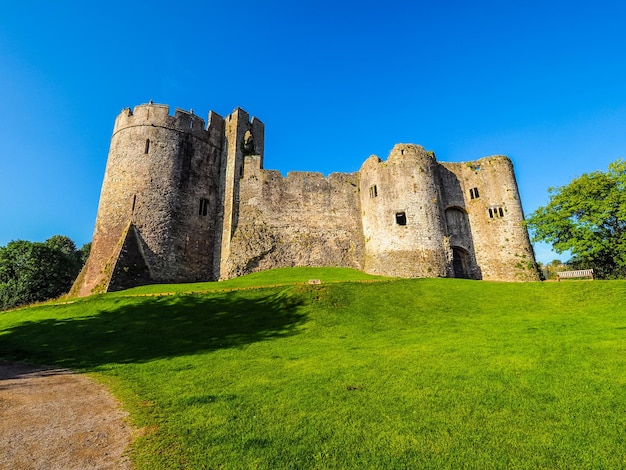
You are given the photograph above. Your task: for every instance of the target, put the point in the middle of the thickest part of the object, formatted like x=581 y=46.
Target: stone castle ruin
x=183 y=201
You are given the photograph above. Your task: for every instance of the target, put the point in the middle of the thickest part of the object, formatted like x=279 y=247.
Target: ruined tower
x=403 y=222
x=242 y=138
x=182 y=201
x=167 y=197
x=485 y=219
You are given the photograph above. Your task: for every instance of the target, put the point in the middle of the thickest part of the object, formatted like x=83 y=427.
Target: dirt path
x=54 y=419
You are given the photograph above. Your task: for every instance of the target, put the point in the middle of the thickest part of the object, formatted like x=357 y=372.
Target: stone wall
x=304 y=219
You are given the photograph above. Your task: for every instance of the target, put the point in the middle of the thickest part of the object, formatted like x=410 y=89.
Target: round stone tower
x=494 y=207
x=158 y=205
x=403 y=222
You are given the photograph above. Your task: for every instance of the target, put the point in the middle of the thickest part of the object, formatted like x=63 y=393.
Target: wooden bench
x=574 y=274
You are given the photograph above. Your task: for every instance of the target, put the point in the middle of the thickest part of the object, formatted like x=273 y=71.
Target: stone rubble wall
x=304 y=219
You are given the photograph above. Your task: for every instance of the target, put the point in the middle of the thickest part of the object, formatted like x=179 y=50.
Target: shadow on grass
x=142 y=329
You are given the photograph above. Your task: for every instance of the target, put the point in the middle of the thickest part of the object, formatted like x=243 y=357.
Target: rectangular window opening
x=373 y=191
x=496 y=212
x=401 y=218
x=147 y=149
x=204 y=207
x=474 y=193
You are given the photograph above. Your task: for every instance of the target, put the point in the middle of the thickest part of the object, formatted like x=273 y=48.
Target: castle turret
x=242 y=138
x=402 y=218
x=488 y=191
x=158 y=206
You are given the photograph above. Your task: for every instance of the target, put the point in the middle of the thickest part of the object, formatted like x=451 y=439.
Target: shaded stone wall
x=458 y=225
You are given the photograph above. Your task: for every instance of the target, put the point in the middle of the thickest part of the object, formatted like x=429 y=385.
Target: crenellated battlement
x=238 y=114
x=214 y=128
x=242 y=118
x=216 y=124
x=187 y=119
x=159 y=115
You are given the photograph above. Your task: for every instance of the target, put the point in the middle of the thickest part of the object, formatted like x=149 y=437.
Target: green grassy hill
x=425 y=373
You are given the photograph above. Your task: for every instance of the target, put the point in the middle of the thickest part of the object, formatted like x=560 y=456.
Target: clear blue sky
x=543 y=82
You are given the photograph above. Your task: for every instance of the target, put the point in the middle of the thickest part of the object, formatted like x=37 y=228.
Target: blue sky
x=334 y=82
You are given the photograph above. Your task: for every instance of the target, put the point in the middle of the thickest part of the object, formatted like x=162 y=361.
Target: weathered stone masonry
x=184 y=202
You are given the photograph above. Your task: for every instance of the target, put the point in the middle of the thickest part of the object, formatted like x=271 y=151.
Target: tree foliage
x=588 y=218
x=34 y=271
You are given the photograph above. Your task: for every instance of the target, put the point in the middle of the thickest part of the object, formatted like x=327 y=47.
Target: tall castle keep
x=183 y=201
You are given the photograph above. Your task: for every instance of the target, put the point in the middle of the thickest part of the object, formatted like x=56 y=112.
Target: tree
x=84 y=253
x=588 y=218
x=33 y=271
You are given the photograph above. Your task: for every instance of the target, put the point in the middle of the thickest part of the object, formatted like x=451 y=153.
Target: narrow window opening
x=373 y=191
x=474 y=193
x=500 y=211
x=401 y=218
x=491 y=213
x=147 y=148
x=132 y=210
x=204 y=207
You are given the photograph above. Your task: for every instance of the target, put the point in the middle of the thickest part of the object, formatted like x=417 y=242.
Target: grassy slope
x=279 y=276
x=409 y=373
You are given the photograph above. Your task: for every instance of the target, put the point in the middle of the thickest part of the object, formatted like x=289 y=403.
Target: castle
x=185 y=202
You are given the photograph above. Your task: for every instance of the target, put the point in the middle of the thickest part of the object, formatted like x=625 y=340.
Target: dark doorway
x=460 y=263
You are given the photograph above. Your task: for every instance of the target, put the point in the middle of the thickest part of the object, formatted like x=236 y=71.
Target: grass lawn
x=275 y=277
x=425 y=373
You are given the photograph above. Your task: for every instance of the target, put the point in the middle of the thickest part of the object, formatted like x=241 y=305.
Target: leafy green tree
x=84 y=253
x=588 y=218
x=33 y=271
